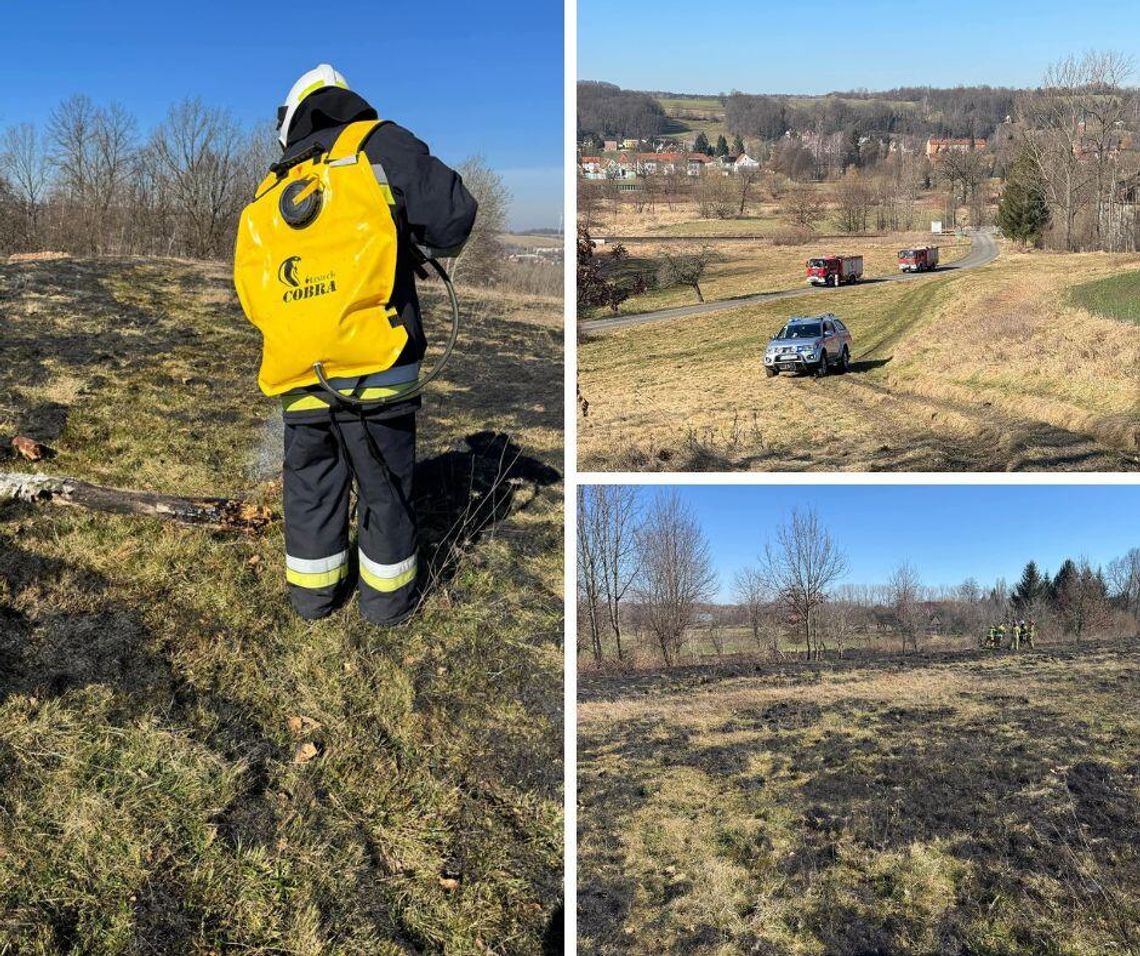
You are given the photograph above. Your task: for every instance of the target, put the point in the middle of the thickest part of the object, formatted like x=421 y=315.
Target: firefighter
x=1015 y=640
x=1030 y=632
x=326 y=268
x=1000 y=635
x=992 y=638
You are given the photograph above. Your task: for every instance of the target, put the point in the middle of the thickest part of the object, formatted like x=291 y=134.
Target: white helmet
x=316 y=79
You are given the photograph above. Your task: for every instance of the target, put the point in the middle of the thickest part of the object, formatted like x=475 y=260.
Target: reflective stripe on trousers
x=387 y=577
x=316 y=572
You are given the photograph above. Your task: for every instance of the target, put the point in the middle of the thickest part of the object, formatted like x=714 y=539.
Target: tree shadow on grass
x=463 y=494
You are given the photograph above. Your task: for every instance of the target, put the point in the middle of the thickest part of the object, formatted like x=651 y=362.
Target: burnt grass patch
x=782 y=715
x=1030 y=801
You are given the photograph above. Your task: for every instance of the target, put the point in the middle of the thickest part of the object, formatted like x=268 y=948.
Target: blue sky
x=949 y=532
x=466 y=78
x=822 y=45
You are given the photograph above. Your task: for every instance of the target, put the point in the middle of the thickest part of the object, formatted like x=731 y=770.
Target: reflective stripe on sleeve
x=387 y=577
x=316 y=572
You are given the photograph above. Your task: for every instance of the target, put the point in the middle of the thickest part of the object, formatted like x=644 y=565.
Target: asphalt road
x=983 y=250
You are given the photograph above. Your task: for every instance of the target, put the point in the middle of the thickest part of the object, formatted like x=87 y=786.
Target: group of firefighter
x=1013 y=634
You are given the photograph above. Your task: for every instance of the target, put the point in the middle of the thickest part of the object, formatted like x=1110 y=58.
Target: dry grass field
x=746 y=267
x=955 y=803
x=185 y=766
x=993 y=369
x=763 y=217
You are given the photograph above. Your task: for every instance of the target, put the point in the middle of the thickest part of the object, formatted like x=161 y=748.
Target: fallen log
x=228 y=513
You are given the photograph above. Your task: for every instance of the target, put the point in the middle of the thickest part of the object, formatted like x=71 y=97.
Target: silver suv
x=809 y=344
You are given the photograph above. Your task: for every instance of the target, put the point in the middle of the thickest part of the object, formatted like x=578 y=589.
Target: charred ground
x=158 y=701
x=964 y=803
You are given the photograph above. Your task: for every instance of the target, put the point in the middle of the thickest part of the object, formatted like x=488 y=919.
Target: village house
x=592 y=167
x=628 y=165
x=935 y=146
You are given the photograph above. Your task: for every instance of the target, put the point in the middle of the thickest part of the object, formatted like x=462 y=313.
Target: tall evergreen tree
x=1030 y=590
x=1065 y=576
x=721 y=146
x=738 y=145
x=1023 y=213
x=701 y=144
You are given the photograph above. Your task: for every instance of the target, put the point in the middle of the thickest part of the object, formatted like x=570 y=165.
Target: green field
x=1115 y=297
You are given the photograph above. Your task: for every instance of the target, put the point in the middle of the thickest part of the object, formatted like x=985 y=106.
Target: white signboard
x=936 y=227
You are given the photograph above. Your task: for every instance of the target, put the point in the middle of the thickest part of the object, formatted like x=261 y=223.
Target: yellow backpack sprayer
x=314 y=267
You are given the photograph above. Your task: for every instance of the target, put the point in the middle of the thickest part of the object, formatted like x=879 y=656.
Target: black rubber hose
x=424 y=380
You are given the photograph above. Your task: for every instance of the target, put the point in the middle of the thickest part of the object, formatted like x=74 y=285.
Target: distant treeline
x=973 y=111
x=608 y=111
x=89 y=181
x=920 y=111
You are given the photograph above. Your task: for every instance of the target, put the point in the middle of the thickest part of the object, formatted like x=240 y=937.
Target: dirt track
x=983 y=252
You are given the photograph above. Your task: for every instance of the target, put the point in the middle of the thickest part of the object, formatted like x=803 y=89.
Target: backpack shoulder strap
x=266 y=184
x=348 y=143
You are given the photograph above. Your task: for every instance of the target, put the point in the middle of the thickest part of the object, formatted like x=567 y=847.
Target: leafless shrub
x=676 y=572
x=800 y=566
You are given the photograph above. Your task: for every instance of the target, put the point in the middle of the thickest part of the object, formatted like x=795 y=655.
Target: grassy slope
x=985 y=370
x=149 y=673
x=748 y=267
x=963 y=804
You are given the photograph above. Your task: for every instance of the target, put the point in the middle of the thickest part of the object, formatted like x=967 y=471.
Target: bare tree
x=685 y=268
x=24 y=163
x=676 y=572
x=837 y=625
x=800 y=566
x=906 y=602
x=70 y=139
x=717 y=630
x=590 y=569
x=1083 y=602
x=616 y=525
x=803 y=206
x=750 y=590
x=480 y=261
x=198 y=152
x=971 y=609
x=746 y=178
x=1073 y=126
x=716 y=197
x=589 y=202
x=964 y=173
x=854 y=198
x=1124 y=580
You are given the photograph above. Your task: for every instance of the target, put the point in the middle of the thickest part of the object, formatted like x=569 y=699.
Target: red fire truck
x=918 y=260
x=834 y=270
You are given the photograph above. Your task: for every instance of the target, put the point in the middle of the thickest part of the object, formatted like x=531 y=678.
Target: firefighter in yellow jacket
x=324 y=266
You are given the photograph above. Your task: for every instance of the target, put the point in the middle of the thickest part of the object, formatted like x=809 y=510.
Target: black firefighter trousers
x=321 y=459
